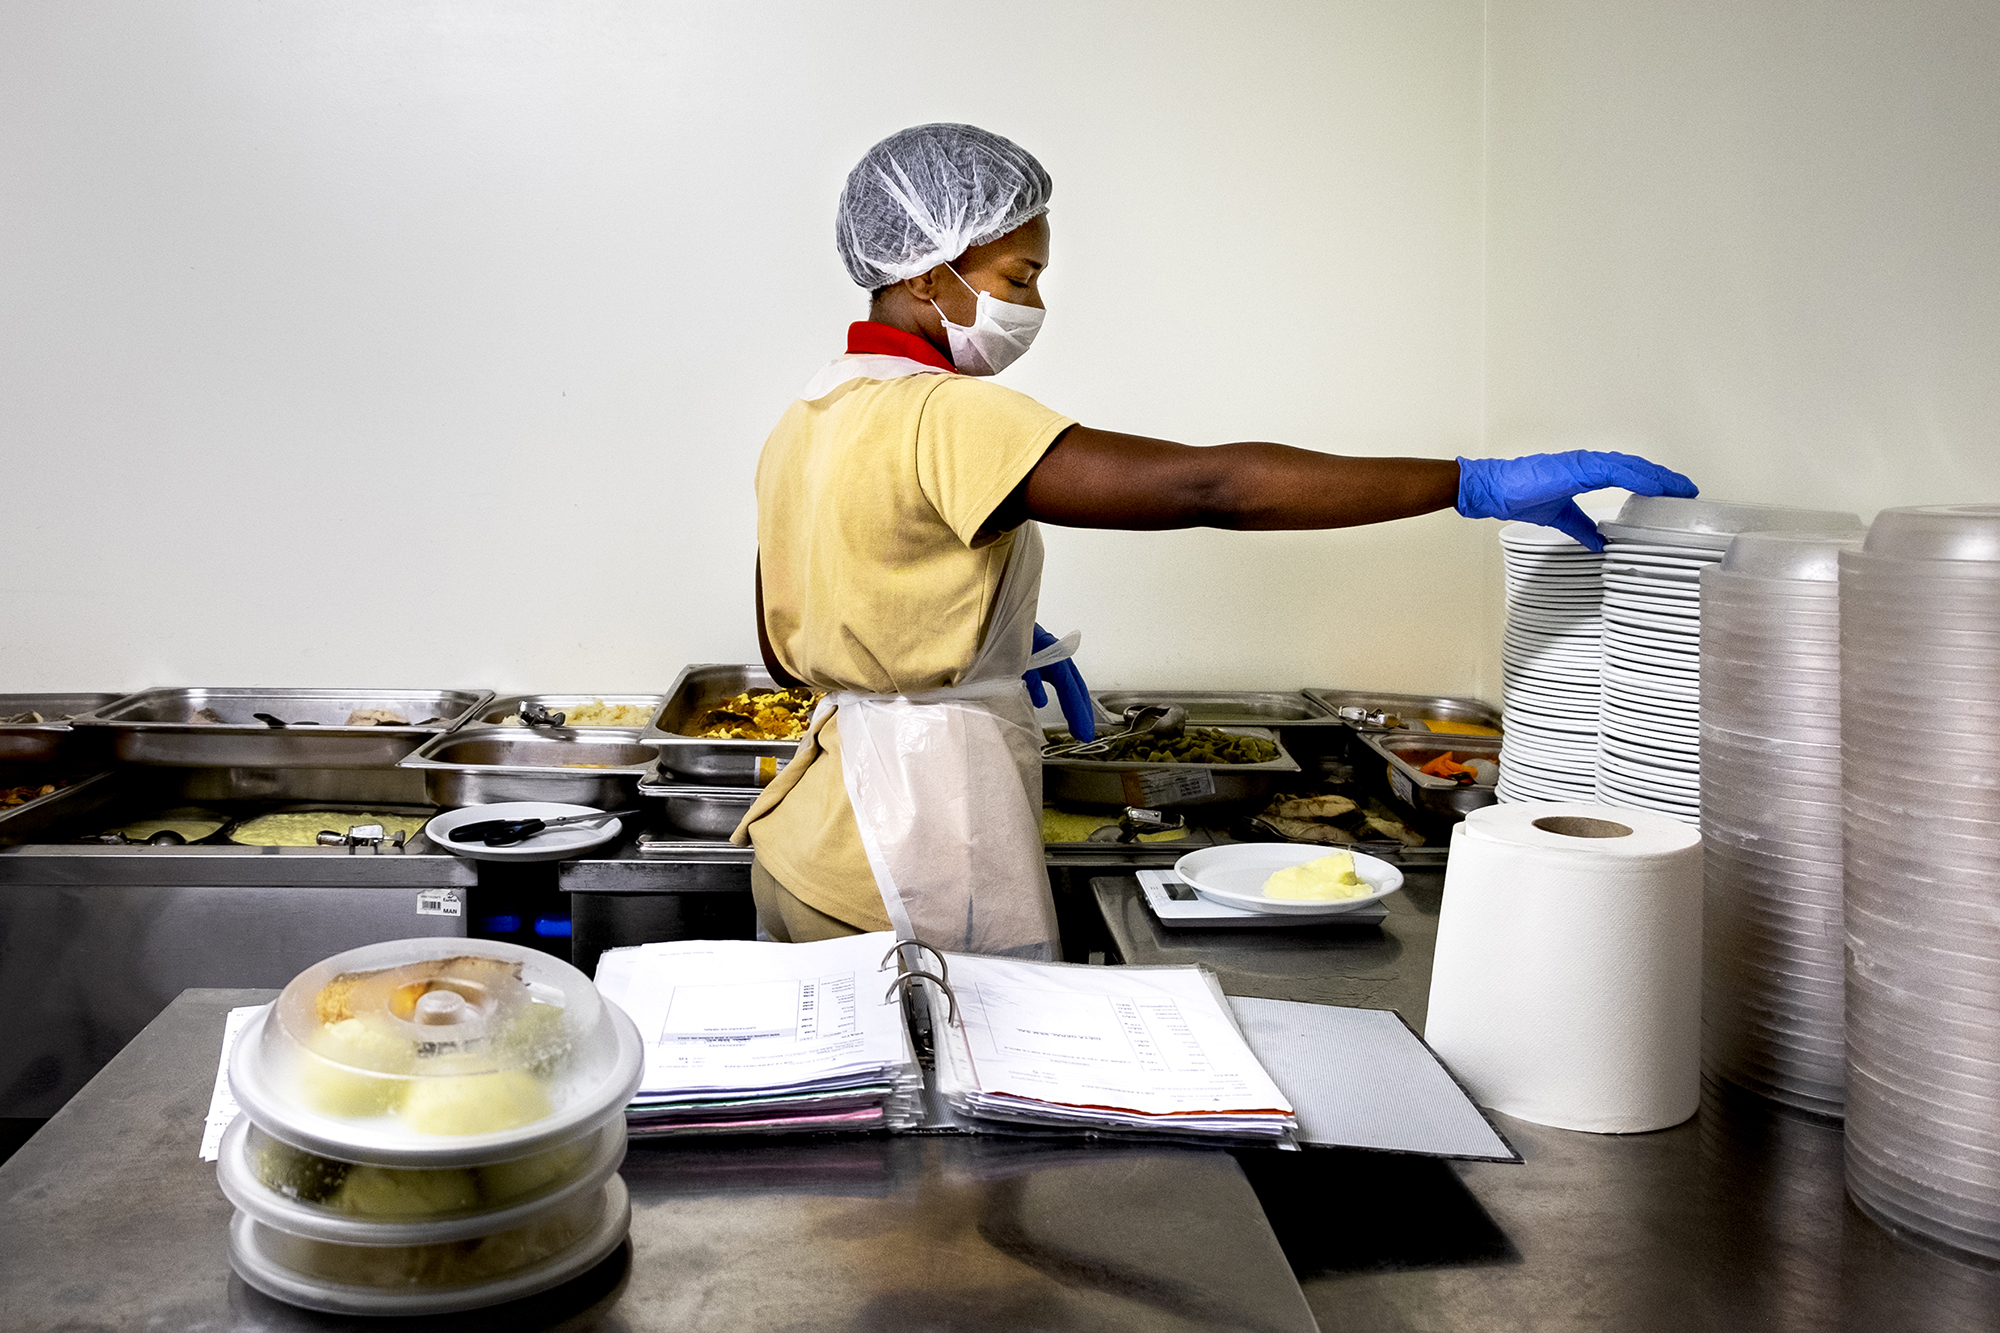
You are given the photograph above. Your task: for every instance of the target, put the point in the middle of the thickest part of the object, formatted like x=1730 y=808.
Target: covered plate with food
x=435 y=1052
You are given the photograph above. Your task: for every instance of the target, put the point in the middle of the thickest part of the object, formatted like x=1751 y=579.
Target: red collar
x=867 y=338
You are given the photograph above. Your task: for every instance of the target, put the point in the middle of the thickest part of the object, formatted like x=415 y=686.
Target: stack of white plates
x=1649 y=730
x=1920 y=687
x=1772 y=1017
x=1549 y=665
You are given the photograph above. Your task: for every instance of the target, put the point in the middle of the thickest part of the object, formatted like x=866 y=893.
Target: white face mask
x=999 y=334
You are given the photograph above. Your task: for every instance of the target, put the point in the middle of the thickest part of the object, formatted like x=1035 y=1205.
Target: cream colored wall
x=1756 y=241
x=432 y=342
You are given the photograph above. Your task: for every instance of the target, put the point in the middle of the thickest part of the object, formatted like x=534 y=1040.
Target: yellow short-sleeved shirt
x=877 y=578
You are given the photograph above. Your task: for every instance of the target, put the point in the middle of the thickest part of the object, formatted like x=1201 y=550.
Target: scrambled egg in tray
x=758 y=715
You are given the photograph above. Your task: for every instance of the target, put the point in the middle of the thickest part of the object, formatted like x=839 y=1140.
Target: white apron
x=946 y=785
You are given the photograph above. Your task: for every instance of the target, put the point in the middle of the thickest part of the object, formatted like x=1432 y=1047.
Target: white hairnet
x=926 y=195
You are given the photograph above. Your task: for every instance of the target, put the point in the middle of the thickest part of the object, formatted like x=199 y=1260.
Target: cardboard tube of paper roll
x=1567 y=985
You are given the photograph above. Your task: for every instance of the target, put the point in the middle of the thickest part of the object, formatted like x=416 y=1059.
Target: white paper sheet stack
x=743 y=1037
x=1138 y=1050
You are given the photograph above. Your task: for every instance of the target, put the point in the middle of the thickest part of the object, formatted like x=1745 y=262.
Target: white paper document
x=221 y=1104
x=721 y=1015
x=1124 y=1047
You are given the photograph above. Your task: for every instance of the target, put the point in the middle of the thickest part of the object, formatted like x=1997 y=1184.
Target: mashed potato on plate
x=1331 y=878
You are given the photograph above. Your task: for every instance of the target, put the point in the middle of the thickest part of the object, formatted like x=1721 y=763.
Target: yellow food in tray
x=1331 y=878
x=1060 y=826
x=1447 y=727
x=596 y=713
x=758 y=715
x=302 y=828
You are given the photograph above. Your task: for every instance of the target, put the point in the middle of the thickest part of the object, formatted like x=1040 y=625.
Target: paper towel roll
x=1567 y=986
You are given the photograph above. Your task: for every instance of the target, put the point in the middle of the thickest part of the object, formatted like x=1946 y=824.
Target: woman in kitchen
x=899 y=559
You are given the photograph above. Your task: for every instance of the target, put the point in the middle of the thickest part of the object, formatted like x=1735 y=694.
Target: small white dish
x=554 y=845
x=1234 y=876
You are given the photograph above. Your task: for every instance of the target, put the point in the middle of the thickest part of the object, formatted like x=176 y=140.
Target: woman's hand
x=1542 y=488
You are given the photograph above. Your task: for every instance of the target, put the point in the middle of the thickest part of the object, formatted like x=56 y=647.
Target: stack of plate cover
x=428 y=1125
x=1549 y=665
x=1649 y=730
x=1770 y=818
x=1920 y=687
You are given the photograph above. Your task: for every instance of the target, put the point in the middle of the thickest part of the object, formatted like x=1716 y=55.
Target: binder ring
x=896 y=952
x=903 y=980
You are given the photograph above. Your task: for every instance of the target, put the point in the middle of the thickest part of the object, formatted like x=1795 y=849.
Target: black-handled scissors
x=506 y=832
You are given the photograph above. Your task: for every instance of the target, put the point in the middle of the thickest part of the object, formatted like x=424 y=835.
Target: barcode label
x=440 y=902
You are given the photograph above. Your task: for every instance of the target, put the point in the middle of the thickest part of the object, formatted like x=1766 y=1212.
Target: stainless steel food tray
x=496 y=711
x=481 y=765
x=705 y=812
x=1225 y=708
x=1408 y=751
x=155 y=726
x=1411 y=708
x=1096 y=782
x=30 y=821
x=39 y=742
x=715 y=763
x=337 y=814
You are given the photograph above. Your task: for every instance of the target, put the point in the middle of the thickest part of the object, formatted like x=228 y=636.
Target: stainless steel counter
x=108 y=1221
x=1364 y=967
x=1735 y=1221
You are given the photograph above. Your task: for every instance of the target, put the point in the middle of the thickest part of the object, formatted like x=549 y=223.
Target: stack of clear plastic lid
x=1549 y=664
x=1772 y=971
x=428 y=1125
x=1649 y=728
x=1920 y=690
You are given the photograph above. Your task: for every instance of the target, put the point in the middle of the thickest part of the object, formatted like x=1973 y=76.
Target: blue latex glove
x=1071 y=692
x=1541 y=488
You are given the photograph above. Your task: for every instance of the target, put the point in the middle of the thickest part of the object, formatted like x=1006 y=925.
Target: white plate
x=1652 y=588
x=1554 y=735
x=1619 y=546
x=1575 y=643
x=554 y=845
x=1234 y=876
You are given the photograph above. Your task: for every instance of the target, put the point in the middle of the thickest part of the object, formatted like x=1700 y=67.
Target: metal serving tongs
x=371 y=836
x=535 y=715
x=1161 y=721
x=1370 y=719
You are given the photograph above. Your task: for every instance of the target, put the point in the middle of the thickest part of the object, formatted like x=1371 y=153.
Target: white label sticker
x=1399 y=782
x=440 y=902
x=221 y=1104
x=1167 y=786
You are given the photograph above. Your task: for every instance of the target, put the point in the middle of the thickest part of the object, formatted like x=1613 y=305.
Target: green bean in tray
x=1197 y=745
